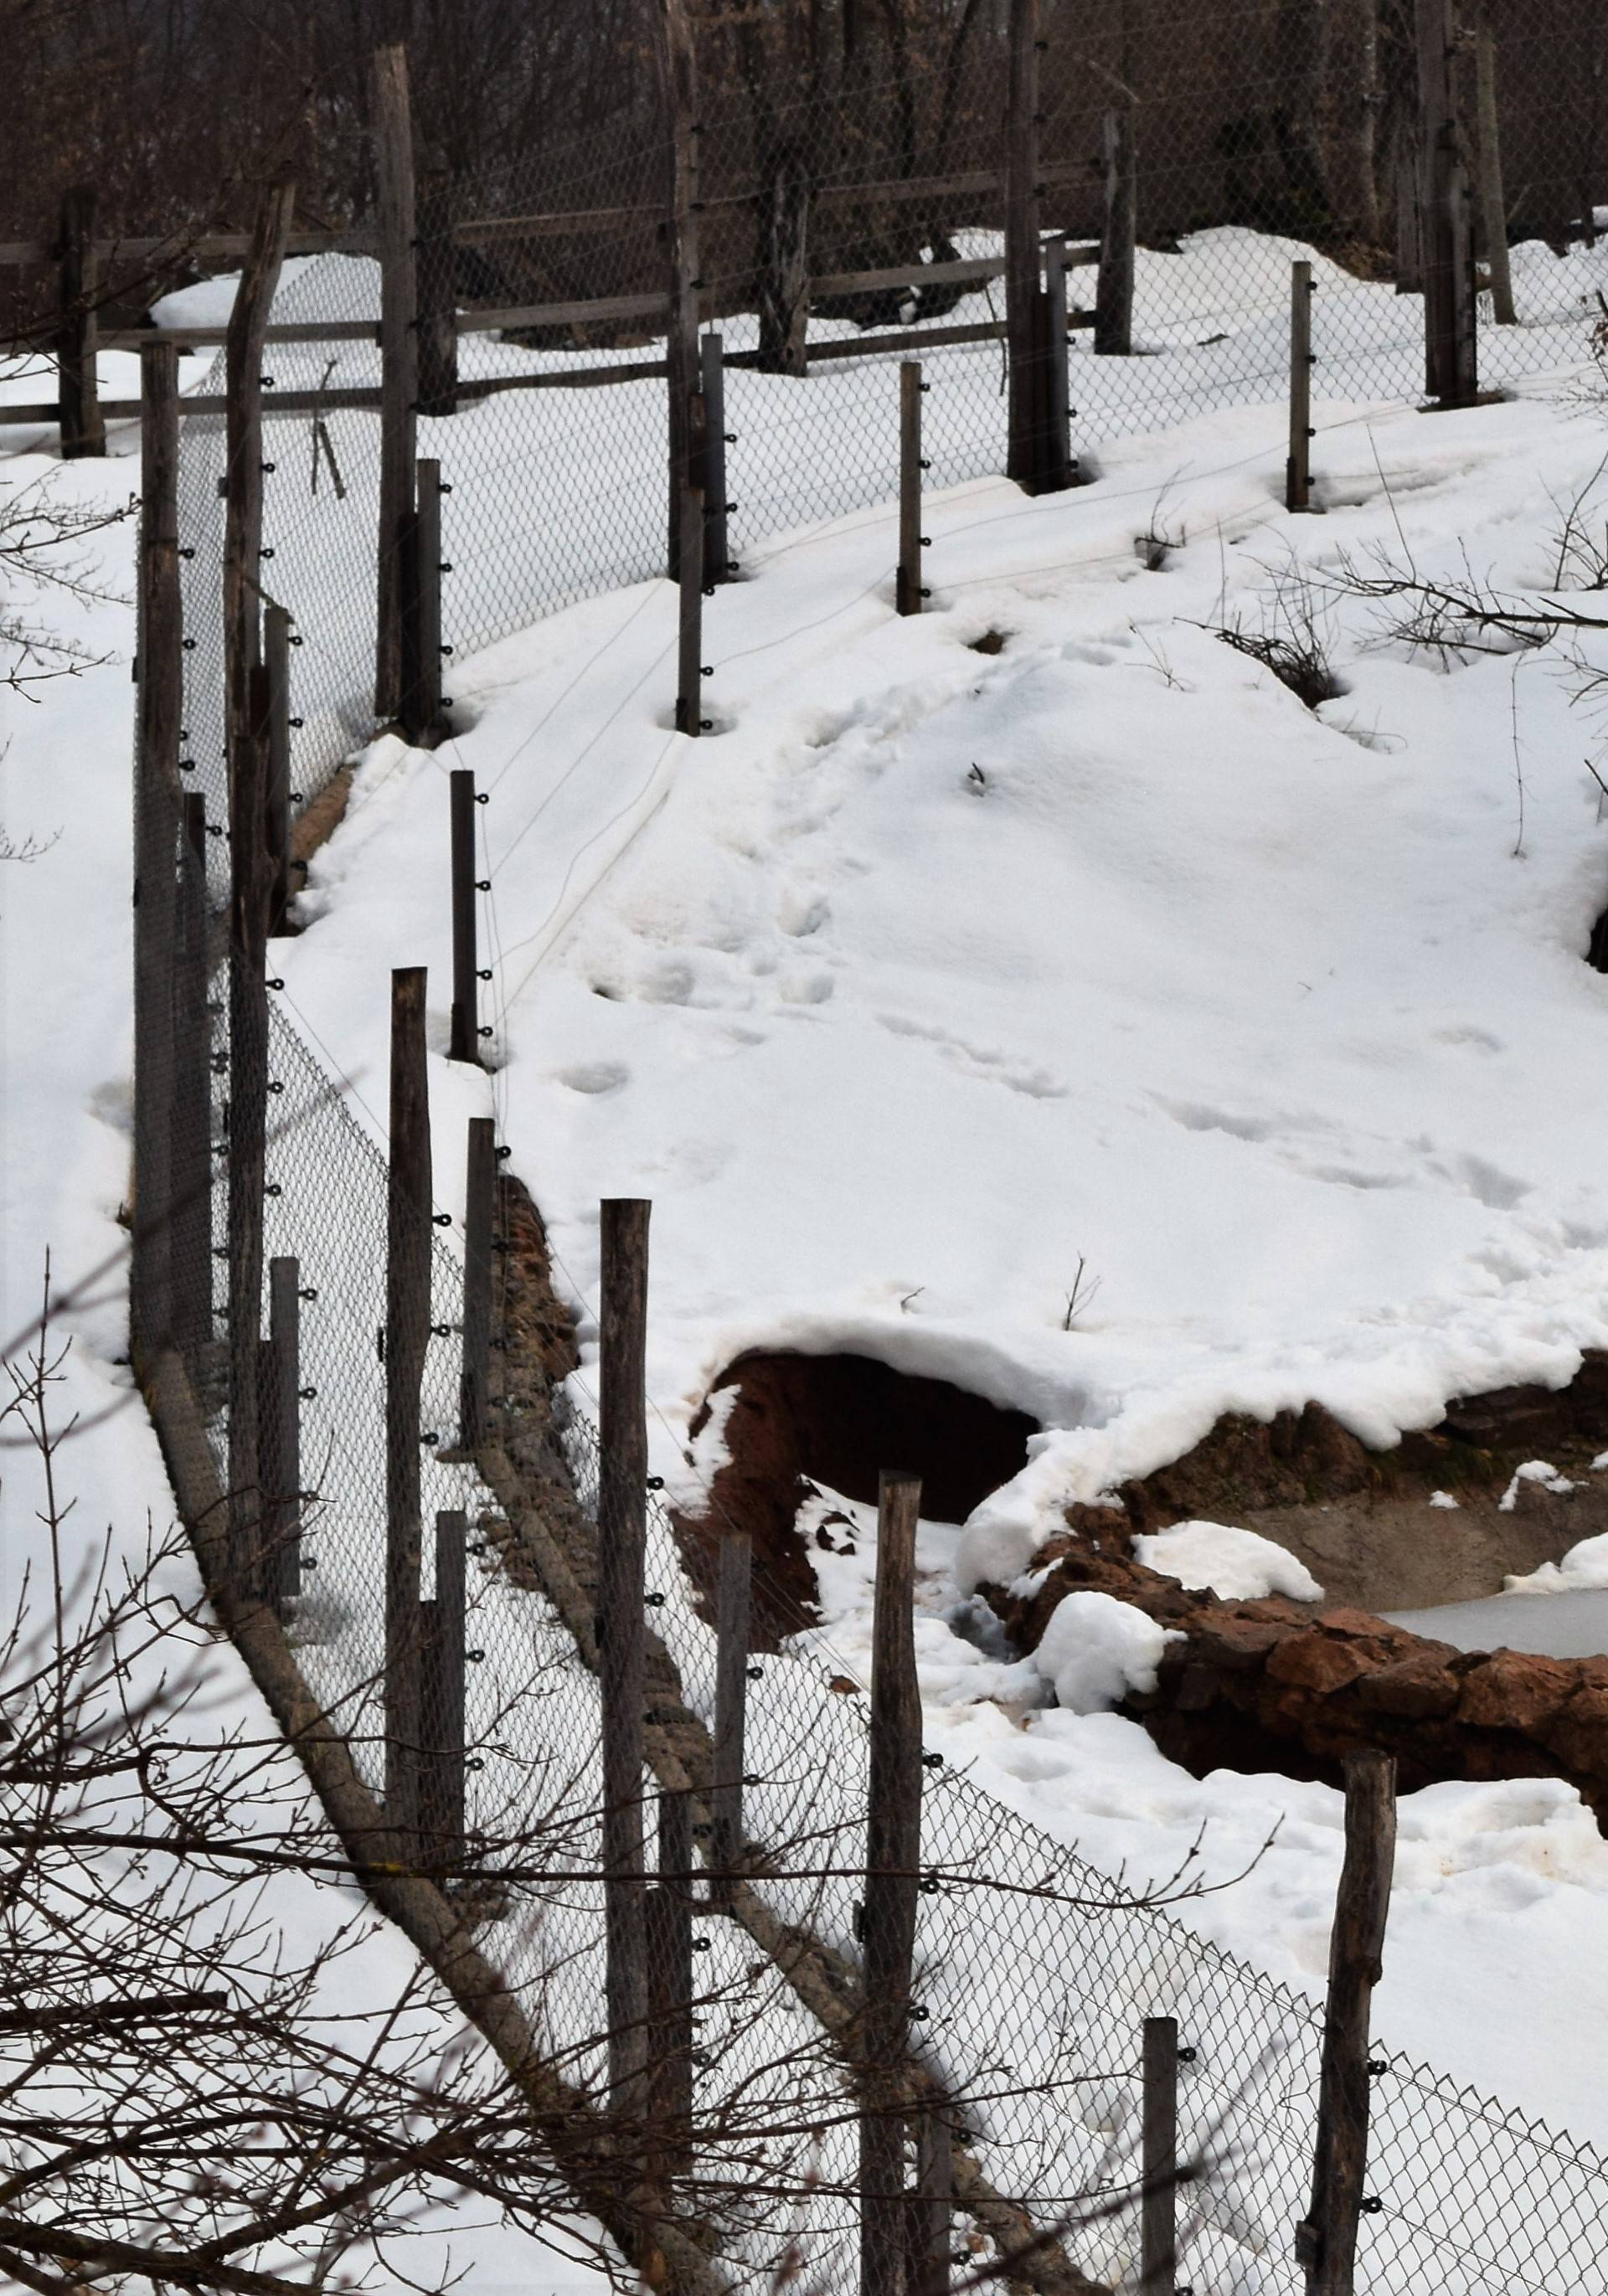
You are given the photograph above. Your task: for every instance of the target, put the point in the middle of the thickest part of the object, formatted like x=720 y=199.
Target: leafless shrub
x=1292 y=638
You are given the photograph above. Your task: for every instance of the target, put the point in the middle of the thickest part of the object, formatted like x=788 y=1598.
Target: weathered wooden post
x=622 y=1542
x=733 y=1590
x=463 y=1043
x=1297 y=466
x=405 y=1336
x=893 y=1878
x=1024 y=326
x=159 y=660
x=78 y=331
x=441 y=1662
x=249 y=878
x=929 y=2265
x=421 y=650
x=669 y=1944
x=438 y=327
x=1451 y=365
x=689 y=649
x=1493 y=202
x=711 y=477
x=1158 y=2239
x=1326 y=2243
x=480 y=1207
x=276 y=667
x=1057 y=384
x=190 y=1112
x=1114 y=285
x=398 y=366
x=679 y=78
x=280 y=1404
x=907 y=590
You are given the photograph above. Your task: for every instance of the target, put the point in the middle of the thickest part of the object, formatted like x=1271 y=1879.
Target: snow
x=1442 y=1499
x=1095 y=1651
x=1240 y=1565
x=1586 y=1564
x=1540 y=1471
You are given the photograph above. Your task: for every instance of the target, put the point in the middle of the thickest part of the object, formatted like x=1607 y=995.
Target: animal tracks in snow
x=996 y=1067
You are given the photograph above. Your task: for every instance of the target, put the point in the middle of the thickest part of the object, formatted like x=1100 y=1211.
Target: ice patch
x=1240 y=1565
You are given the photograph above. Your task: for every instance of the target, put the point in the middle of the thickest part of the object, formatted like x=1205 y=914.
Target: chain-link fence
x=1036 y=1972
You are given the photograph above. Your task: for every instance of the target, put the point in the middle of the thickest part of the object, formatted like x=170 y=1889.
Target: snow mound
x=1240 y=1565
x=1095 y=1649
x=1584 y=1565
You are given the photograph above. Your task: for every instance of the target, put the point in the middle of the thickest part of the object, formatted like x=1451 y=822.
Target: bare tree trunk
x=1493 y=205
x=1300 y=50
x=1354 y=120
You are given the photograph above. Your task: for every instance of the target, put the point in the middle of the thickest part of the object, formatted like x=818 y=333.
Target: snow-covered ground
x=65 y=1033
x=933 y=972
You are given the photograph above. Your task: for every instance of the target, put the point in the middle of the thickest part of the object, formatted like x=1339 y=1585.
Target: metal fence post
x=1023 y=315
x=479 y=1205
x=1326 y=2243
x=1114 y=283
x=276 y=665
x=78 y=330
x=190 y=1114
x=892 y=1878
x=1158 y=2205
x=280 y=1404
x=463 y=1042
x=441 y=1663
x=907 y=590
x=162 y=679
x=1298 y=468
x=732 y=1591
x=398 y=366
x=405 y=1338
x=689 y=653
x=712 y=475
x=621 y=1540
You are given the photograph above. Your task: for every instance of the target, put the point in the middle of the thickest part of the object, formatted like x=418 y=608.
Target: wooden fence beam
x=398 y=365
x=161 y=667
x=893 y=1878
x=1326 y=2243
x=406 y=1333
x=480 y=1207
x=1114 y=287
x=78 y=383
x=733 y=1594
x=622 y=1540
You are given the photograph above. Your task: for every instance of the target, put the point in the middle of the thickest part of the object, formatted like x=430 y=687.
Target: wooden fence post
x=678 y=75
x=1114 y=284
x=77 y=332
x=1159 y=2207
x=1450 y=352
x=479 y=1205
x=1298 y=466
x=405 y=1335
x=441 y=1665
x=159 y=659
x=280 y=1403
x=907 y=590
x=190 y=1118
x=421 y=705
x=622 y=1540
x=276 y=664
x=1023 y=312
x=1059 y=466
x=463 y=1043
x=733 y=1592
x=248 y=880
x=438 y=327
x=689 y=650
x=669 y=1944
x=1493 y=203
x=398 y=366
x=717 y=547
x=929 y=2266
x=892 y=1878
x=1326 y=2243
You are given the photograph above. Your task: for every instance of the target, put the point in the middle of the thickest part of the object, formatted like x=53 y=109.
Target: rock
x=1417 y=1689
x=1579 y=1734
x=1319 y=1662
x=1238 y=1646
x=1515 y=1690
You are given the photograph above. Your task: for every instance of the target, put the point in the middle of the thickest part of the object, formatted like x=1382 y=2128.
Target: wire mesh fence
x=1036 y=1972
